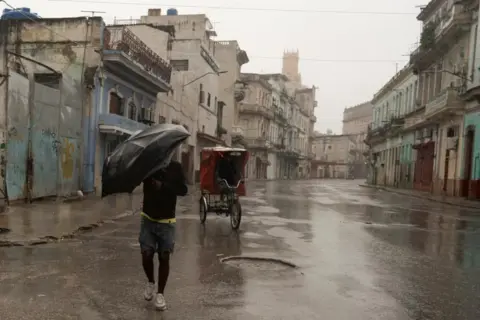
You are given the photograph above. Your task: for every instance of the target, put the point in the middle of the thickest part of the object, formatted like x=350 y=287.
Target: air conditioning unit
x=452 y=143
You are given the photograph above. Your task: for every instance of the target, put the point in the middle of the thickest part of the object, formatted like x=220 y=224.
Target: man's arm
x=154 y=180
x=178 y=184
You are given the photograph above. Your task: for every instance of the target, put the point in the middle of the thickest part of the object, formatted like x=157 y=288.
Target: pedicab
x=220 y=194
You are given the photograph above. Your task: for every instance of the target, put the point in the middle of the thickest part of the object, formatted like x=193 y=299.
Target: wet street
x=361 y=254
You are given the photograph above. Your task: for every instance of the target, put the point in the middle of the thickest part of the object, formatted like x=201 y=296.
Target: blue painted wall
x=473 y=119
x=100 y=115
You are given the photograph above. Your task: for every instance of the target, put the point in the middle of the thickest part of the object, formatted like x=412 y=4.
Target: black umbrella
x=141 y=155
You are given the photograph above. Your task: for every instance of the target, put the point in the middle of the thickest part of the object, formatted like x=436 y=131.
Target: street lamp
x=203 y=75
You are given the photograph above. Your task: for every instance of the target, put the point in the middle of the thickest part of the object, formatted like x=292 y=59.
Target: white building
x=204 y=79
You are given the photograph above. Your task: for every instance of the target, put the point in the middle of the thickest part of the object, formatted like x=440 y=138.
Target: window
x=209 y=99
x=115 y=104
x=215 y=106
x=179 y=65
x=201 y=95
x=132 y=111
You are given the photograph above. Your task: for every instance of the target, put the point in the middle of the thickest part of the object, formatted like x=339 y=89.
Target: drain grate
x=258 y=263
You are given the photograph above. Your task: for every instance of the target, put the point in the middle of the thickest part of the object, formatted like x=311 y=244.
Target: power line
x=291 y=10
x=319 y=60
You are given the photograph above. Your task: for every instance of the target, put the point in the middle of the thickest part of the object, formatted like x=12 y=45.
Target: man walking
x=157 y=231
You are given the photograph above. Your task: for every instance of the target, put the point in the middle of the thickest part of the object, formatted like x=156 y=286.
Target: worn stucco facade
x=356 y=120
x=441 y=62
x=332 y=156
x=49 y=61
x=194 y=56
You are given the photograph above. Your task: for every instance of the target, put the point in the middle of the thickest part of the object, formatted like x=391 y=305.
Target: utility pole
x=93 y=12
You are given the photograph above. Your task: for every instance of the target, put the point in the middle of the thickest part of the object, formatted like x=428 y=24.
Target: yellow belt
x=171 y=220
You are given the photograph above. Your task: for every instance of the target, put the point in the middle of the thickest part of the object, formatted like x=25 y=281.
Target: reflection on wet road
x=362 y=253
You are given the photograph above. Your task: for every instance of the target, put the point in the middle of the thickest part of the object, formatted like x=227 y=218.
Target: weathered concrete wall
x=226 y=54
x=192 y=26
x=66 y=45
x=17 y=136
x=43 y=148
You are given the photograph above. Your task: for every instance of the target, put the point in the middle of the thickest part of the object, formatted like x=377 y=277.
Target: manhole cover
x=259 y=263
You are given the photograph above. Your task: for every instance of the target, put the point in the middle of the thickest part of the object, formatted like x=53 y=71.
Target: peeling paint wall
x=70 y=47
x=17 y=136
x=43 y=142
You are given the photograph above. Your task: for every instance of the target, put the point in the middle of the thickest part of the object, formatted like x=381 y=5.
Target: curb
x=452 y=203
x=52 y=239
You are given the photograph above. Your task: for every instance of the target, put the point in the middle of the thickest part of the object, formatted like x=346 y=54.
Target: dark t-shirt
x=160 y=203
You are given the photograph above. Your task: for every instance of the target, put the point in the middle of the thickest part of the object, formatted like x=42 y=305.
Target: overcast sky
x=348 y=56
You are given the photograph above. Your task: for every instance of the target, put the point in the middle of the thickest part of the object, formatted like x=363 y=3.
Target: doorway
x=445 y=174
x=469 y=140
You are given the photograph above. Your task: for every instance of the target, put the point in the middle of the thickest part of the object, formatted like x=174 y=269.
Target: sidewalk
x=455 y=201
x=31 y=224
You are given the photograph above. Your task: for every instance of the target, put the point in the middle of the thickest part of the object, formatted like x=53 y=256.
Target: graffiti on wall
x=44 y=162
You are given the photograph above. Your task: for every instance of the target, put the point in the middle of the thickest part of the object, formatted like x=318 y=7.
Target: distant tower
x=290 y=66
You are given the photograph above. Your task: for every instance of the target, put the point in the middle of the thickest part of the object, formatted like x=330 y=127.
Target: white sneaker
x=149 y=291
x=160 y=303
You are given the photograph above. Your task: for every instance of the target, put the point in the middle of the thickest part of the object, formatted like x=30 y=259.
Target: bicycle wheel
x=203 y=207
x=235 y=215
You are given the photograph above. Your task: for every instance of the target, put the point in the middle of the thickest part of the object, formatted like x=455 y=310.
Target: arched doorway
x=468 y=160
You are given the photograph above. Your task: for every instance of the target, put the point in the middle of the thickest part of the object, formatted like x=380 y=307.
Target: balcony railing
x=313 y=118
x=139 y=53
x=257 y=142
x=441 y=33
x=256 y=109
x=280 y=115
x=446 y=101
x=238 y=131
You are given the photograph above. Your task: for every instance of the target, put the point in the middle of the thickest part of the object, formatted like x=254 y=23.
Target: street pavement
x=361 y=254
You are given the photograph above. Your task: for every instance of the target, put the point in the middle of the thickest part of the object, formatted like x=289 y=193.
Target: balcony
x=439 y=37
x=110 y=123
x=280 y=115
x=238 y=131
x=313 y=118
x=445 y=104
x=131 y=59
x=256 y=109
x=257 y=143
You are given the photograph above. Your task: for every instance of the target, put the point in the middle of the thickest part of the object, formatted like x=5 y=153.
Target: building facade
x=441 y=62
x=207 y=73
x=391 y=135
x=424 y=122
x=126 y=90
x=46 y=97
x=198 y=72
x=333 y=155
x=355 y=124
x=470 y=167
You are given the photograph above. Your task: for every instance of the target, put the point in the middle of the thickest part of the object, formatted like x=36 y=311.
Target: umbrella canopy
x=141 y=155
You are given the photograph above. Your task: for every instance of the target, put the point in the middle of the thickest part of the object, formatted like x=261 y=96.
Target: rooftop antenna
x=93 y=12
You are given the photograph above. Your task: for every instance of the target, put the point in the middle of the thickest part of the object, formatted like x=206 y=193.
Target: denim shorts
x=159 y=237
